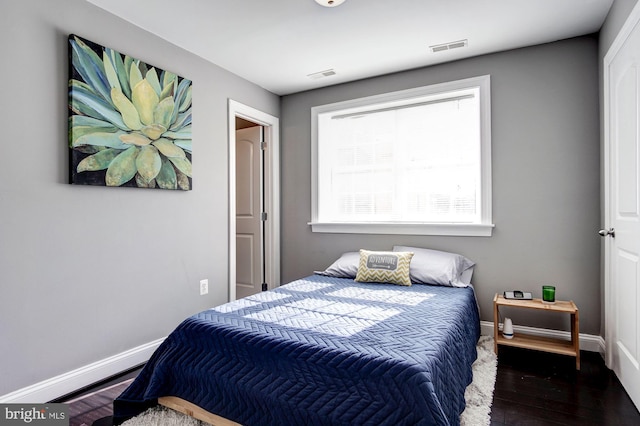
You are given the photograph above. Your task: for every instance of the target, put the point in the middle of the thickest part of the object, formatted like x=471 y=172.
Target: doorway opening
x=254 y=216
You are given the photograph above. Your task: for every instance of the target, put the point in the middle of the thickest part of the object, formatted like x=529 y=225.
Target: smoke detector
x=330 y=3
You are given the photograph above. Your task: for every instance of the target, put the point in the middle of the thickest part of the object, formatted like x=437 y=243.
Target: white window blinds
x=411 y=160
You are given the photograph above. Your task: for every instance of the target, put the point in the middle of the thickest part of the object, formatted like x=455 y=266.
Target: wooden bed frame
x=185 y=407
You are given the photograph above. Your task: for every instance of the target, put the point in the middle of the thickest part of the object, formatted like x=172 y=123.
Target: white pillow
x=465 y=277
x=438 y=267
x=345 y=267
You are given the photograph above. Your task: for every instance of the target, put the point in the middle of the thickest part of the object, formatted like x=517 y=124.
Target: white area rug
x=479 y=396
x=161 y=416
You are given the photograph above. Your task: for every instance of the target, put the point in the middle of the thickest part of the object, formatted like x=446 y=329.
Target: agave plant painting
x=129 y=122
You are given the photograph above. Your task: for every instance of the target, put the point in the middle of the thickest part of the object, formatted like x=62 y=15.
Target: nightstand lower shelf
x=527 y=341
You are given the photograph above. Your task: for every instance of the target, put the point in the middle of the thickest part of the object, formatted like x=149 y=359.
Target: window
x=409 y=162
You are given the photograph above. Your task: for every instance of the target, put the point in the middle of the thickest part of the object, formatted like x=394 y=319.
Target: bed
x=321 y=350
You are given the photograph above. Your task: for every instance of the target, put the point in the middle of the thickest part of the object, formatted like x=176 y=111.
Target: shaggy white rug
x=478 y=396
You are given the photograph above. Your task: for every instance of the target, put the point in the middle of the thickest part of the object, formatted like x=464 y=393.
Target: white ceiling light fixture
x=330 y=3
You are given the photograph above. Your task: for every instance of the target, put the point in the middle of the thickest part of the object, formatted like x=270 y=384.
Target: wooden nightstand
x=521 y=340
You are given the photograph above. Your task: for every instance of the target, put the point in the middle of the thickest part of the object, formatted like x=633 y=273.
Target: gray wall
x=545 y=160
x=89 y=272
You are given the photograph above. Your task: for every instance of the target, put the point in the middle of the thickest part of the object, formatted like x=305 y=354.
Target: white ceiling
x=277 y=44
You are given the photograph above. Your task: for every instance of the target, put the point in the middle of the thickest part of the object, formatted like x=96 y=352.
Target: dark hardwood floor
x=88 y=406
x=532 y=388
x=536 y=388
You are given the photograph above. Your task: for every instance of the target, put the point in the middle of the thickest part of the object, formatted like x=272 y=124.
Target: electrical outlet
x=204 y=287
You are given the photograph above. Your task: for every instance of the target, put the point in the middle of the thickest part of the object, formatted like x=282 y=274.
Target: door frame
x=271 y=126
x=609 y=290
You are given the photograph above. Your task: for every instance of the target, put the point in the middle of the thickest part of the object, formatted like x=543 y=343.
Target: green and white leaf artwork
x=129 y=121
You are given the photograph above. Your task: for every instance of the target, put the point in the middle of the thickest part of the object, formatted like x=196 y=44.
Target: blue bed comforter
x=320 y=351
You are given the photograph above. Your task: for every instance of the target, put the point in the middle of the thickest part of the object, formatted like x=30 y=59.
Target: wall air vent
x=321 y=74
x=448 y=46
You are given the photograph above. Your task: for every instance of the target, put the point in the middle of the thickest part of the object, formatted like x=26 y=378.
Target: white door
x=249 y=235
x=622 y=209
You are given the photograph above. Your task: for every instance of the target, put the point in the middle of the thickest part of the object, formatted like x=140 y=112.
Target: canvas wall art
x=129 y=122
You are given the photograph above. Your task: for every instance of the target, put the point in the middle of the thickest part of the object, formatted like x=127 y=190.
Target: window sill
x=448 y=229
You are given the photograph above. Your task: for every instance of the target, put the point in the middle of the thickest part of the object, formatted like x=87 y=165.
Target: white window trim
x=482 y=229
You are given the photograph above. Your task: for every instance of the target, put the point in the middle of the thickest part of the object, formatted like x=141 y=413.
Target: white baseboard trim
x=71 y=381
x=588 y=342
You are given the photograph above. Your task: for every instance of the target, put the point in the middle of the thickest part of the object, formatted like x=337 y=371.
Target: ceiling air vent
x=321 y=74
x=448 y=46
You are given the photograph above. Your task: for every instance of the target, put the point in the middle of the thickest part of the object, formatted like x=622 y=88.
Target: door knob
x=607 y=232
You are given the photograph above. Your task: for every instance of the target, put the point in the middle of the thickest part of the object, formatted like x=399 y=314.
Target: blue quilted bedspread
x=320 y=351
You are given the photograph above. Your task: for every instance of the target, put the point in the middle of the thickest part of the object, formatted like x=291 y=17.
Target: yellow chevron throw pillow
x=384 y=267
